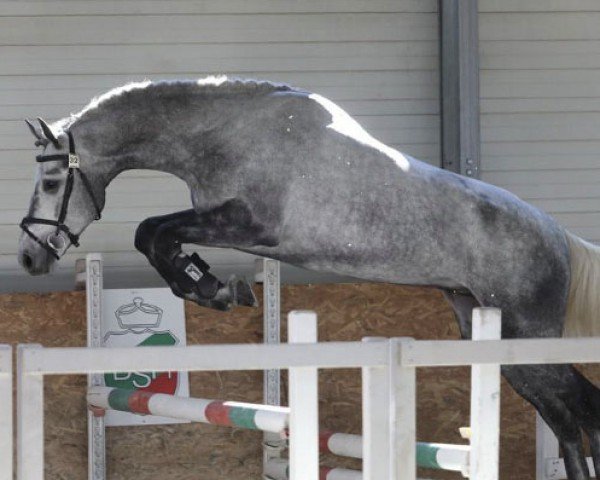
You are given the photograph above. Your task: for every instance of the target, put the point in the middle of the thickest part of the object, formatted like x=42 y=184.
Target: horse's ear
x=36 y=132
x=48 y=133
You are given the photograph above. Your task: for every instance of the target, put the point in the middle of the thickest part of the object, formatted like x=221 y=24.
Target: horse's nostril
x=27 y=261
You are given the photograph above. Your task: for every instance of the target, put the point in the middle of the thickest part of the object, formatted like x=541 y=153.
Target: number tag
x=194 y=272
x=73 y=161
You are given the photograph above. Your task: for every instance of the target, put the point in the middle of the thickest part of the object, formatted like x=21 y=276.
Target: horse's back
x=358 y=207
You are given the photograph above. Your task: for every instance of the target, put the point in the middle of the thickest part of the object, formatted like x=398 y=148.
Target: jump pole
x=278 y=469
x=437 y=456
x=266 y=418
x=231 y=414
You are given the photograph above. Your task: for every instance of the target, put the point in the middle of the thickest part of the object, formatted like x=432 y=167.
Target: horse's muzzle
x=33 y=258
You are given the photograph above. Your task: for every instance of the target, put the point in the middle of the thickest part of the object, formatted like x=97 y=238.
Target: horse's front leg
x=160 y=239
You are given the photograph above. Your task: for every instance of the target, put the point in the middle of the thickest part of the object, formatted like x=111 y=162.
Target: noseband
x=73 y=162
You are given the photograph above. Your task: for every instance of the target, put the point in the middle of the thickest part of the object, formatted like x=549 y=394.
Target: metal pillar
x=459 y=86
x=96 y=430
x=268 y=273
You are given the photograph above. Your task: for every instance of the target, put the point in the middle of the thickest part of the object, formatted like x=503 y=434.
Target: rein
x=73 y=162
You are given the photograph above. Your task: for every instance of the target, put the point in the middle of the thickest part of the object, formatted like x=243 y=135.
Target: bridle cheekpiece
x=56 y=242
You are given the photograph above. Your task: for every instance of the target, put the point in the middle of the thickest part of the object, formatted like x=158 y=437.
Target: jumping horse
x=287 y=174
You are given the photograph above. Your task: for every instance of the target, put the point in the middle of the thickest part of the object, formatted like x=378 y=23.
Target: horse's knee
x=144 y=235
x=163 y=241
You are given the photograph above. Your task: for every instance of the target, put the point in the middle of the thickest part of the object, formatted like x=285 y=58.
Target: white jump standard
x=6 y=412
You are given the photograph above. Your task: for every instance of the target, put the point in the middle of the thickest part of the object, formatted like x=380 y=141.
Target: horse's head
x=64 y=200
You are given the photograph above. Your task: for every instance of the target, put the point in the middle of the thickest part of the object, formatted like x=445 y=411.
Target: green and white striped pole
x=266 y=418
x=232 y=414
x=278 y=469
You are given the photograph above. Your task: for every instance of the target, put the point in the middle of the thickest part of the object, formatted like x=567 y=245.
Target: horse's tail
x=583 y=304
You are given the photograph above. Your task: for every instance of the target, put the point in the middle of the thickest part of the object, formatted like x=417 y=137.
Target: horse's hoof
x=224 y=300
x=222 y=306
x=237 y=291
x=221 y=303
x=244 y=294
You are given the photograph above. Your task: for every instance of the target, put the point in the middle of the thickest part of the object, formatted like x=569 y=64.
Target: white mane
x=118 y=91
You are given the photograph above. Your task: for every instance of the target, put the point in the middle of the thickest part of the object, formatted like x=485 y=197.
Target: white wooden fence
x=6 y=413
x=389 y=392
x=388 y=367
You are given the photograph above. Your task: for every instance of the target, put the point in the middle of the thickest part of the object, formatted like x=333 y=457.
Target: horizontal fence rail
x=59 y=361
x=413 y=353
x=454 y=353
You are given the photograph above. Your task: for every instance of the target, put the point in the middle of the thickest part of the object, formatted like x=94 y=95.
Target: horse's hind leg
x=555 y=390
x=589 y=417
x=565 y=398
x=588 y=413
x=594 y=437
x=230 y=224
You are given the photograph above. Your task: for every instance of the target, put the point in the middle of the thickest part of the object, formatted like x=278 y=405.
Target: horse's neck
x=146 y=151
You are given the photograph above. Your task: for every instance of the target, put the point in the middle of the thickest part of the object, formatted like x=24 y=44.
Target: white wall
x=540 y=102
x=378 y=59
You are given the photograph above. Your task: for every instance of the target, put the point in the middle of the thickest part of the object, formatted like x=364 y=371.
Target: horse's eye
x=50 y=186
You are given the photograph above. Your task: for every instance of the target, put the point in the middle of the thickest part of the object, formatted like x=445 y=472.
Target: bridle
x=55 y=243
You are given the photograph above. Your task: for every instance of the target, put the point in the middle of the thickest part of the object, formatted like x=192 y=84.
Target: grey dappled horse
x=283 y=173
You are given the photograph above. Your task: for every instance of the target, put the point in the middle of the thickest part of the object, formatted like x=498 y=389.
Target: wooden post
x=304 y=402
x=402 y=413
x=485 y=401
x=6 y=413
x=546 y=447
x=30 y=419
x=376 y=422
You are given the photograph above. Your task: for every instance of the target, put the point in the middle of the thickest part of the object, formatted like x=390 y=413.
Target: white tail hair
x=583 y=305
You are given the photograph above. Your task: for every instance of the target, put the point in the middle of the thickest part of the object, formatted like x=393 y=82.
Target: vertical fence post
x=485 y=401
x=30 y=419
x=267 y=272
x=96 y=430
x=6 y=413
x=546 y=446
x=376 y=422
x=304 y=402
x=402 y=413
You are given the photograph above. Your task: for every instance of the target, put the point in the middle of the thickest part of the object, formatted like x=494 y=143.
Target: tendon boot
x=193 y=276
